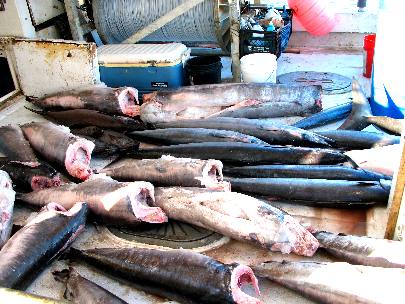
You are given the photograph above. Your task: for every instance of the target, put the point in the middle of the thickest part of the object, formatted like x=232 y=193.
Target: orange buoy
x=315 y=16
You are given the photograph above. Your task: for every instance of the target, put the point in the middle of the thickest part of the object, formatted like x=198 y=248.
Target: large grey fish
x=84 y=118
x=238 y=216
x=21 y=162
x=170 y=171
x=30 y=176
x=305 y=171
x=269 y=132
x=35 y=245
x=341 y=192
x=361 y=250
x=337 y=283
x=7 y=197
x=174 y=136
x=56 y=144
x=325 y=117
x=109 y=137
x=108 y=100
x=357 y=119
x=181 y=275
x=79 y=290
x=108 y=200
x=246 y=153
x=204 y=100
x=349 y=139
x=15 y=146
x=15 y=296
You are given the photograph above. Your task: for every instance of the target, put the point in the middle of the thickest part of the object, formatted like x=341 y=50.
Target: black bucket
x=203 y=70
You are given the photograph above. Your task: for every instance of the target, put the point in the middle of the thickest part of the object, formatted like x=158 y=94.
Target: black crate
x=272 y=42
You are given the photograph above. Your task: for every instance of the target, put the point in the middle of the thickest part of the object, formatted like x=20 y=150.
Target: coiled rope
x=117 y=20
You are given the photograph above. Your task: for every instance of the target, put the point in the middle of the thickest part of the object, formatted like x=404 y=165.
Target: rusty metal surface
x=49 y=66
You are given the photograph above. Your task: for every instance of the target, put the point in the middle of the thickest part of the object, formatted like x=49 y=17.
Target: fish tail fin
x=361 y=110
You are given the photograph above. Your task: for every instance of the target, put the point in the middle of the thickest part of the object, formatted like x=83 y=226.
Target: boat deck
x=359 y=222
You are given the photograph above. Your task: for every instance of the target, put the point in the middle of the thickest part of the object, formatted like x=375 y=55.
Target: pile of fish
x=170 y=157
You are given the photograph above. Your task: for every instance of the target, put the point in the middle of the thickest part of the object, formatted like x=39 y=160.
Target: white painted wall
x=16 y=20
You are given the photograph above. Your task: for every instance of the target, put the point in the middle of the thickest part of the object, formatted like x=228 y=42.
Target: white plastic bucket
x=259 y=67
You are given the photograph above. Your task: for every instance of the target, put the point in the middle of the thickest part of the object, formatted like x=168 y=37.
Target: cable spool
x=208 y=22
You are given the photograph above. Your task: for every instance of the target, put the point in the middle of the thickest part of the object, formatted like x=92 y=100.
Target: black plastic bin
x=203 y=70
x=272 y=42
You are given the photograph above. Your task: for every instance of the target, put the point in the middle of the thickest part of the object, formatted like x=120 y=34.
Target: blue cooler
x=146 y=67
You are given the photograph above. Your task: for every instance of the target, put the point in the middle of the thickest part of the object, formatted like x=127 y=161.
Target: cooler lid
x=141 y=53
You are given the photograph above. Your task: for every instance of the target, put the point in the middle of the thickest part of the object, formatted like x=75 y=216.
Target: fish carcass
x=120 y=101
x=7 y=197
x=361 y=250
x=42 y=239
x=246 y=153
x=58 y=145
x=238 y=216
x=108 y=200
x=305 y=171
x=275 y=134
x=31 y=176
x=22 y=164
x=170 y=171
x=181 y=275
x=340 y=192
x=349 y=139
x=253 y=100
x=174 y=136
x=84 y=118
x=79 y=290
x=337 y=283
x=15 y=146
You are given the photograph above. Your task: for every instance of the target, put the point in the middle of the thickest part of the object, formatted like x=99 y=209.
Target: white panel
x=43 y=10
x=141 y=53
x=45 y=67
x=16 y=20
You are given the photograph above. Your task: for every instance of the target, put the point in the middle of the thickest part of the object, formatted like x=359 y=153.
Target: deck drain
x=331 y=83
x=173 y=234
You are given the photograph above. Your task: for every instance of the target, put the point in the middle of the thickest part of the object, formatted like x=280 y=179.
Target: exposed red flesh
x=77 y=159
x=43 y=182
x=242 y=275
x=128 y=100
x=141 y=208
